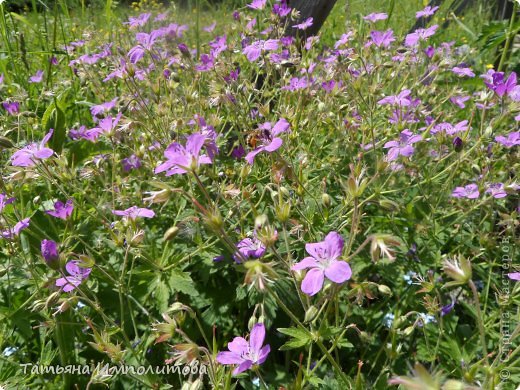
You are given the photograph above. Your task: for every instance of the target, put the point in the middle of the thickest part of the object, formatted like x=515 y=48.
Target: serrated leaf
x=181 y=282
x=162 y=295
x=299 y=338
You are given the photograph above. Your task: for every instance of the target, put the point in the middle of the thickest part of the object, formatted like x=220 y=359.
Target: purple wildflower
x=514 y=276
x=27 y=156
x=496 y=190
x=134 y=212
x=402 y=99
x=76 y=275
x=463 y=71
x=182 y=159
x=512 y=139
x=207 y=62
x=106 y=125
x=37 y=78
x=375 y=16
x=254 y=50
x=403 y=147
x=61 y=210
x=12 y=108
x=15 y=231
x=421 y=34
x=4 y=201
x=470 y=191
x=249 y=248
x=244 y=353
x=447 y=308
x=210 y=28
x=269 y=138
x=382 y=38
x=460 y=100
x=257 y=4
x=49 y=250
x=305 y=24
x=132 y=162
x=103 y=107
x=450 y=129
x=495 y=81
x=139 y=20
x=323 y=262
x=428 y=11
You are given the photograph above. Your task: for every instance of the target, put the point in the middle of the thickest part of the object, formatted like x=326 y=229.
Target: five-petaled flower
x=181 y=159
x=249 y=248
x=269 y=138
x=28 y=156
x=403 y=147
x=75 y=277
x=470 y=191
x=135 y=212
x=61 y=210
x=246 y=353
x=323 y=262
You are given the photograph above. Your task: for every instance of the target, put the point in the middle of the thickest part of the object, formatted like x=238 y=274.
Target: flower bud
x=326 y=200
x=137 y=238
x=310 y=314
x=384 y=289
x=49 y=250
x=171 y=233
x=457 y=144
x=283 y=212
x=5 y=143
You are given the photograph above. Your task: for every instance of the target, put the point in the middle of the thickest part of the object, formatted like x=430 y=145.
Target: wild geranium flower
x=469 y=191
x=103 y=107
x=15 y=231
x=375 y=16
x=132 y=162
x=403 y=147
x=49 y=250
x=30 y=154
x=4 y=201
x=139 y=20
x=134 y=212
x=37 y=77
x=210 y=28
x=448 y=128
x=181 y=159
x=445 y=310
x=428 y=11
x=76 y=276
x=268 y=138
x=463 y=71
x=401 y=100
x=255 y=49
x=496 y=190
x=496 y=81
x=61 y=210
x=421 y=34
x=323 y=263
x=249 y=248
x=382 y=38
x=514 y=276
x=207 y=63
x=246 y=353
x=305 y=24
x=257 y=4
x=12 y=108
x=105 y=126
x=146 y=43
x=460 y=100
x=512 y=139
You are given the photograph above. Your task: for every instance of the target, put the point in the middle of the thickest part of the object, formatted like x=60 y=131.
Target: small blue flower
x=388 y=320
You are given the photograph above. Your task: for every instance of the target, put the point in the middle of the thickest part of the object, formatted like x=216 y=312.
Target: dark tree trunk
x=317 y=9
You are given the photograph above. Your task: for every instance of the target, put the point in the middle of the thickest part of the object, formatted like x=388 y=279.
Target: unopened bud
x=326 y=200
x=310 y=314
x=171 y=233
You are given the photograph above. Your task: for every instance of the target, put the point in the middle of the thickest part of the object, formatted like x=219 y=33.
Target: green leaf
x=54 y=118
x=162 y=295
x=181 y=282
x=299 y=337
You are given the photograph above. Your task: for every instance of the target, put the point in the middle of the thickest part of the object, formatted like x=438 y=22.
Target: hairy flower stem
x=480 y=320
x=318 y=342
